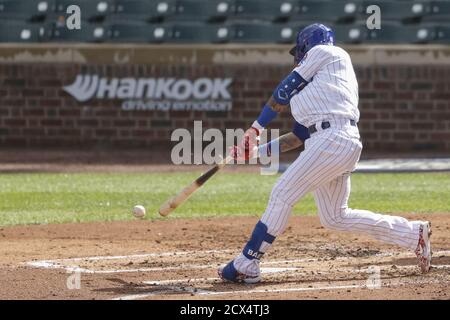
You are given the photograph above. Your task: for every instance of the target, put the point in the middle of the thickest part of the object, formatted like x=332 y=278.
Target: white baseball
x=139 y=211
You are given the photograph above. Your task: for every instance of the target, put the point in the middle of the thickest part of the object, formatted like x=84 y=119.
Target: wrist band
x=266 y=115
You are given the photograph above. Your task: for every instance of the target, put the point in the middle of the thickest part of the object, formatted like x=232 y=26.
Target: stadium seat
x=401 y=34
x=91 y=10
x=400 y=11
x=345 y=33
x=438 y=11
x=199 y=10
x=263 y=10
x=223 y=21
x=88 y=33
x=353 y=33
x=262 y=33
x=332 y=11
x=144 y=10
x=300 y=24
x=199 y=33
x=442 y=34
x=25 y=10
x=20 y=32
x=137 y=32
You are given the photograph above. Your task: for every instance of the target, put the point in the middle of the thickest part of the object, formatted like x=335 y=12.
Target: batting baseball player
x=322 y=92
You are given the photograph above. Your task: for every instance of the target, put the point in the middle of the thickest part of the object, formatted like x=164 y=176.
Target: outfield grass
x=56 y=198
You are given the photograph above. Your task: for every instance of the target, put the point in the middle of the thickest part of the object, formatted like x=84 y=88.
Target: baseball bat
x=182 y=196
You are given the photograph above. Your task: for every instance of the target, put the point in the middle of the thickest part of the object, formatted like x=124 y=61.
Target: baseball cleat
x=423 y=250
x=229 y=273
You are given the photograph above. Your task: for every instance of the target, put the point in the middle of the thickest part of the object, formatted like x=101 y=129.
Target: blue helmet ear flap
x=293 y=51
x=298 y=53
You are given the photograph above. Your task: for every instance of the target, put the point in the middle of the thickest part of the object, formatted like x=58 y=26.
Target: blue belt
x=325 y=125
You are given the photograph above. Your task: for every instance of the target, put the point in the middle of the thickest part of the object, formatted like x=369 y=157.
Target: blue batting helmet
x=311 y=36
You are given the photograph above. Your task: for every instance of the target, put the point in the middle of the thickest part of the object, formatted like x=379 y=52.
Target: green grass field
x=57 y=198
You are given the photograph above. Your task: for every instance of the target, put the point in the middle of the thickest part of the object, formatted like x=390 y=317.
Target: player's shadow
x=124 y=287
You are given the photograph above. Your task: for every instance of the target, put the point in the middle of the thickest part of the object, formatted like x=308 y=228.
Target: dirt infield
x=177 y=259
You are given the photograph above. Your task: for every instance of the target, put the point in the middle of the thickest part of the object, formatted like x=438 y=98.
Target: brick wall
x=403 y=107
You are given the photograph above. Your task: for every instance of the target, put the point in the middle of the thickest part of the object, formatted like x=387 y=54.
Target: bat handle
x=225 y=161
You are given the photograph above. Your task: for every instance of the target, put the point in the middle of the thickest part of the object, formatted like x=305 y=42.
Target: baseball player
x=322 y=92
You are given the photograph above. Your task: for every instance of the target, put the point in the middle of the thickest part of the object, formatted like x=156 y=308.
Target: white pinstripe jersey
x=332 y=91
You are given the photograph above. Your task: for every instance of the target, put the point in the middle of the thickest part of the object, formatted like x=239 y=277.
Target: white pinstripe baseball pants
x=324 y=168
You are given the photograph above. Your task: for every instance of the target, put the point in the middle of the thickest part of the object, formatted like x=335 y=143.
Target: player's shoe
x=229 y=273
x=423 y=250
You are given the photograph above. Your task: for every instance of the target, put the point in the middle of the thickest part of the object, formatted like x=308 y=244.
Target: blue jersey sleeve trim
x=300 y=131
x=290 y=86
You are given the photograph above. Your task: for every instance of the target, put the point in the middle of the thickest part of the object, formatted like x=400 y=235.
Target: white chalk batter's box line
x=180 y=286
x=171 y=290
x=69 y=266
